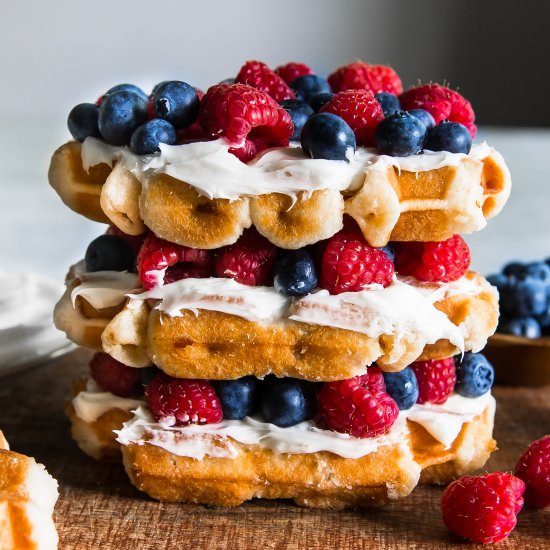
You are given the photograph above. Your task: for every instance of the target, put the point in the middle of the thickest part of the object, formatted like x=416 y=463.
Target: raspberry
x=483 y=508
x=249 y=119
x=350 y=264
x=359 y=406
x=113 y=376
x=362 y=76
x=182 y=401
x=179 y=261
x=442 y=103
x=436 y=380
x=250 y=261
x=151 y=114
x=360 y=110
x=533 y=468
x=135 y=241
x=442 y=262
x=260 y=76
x=291 y=71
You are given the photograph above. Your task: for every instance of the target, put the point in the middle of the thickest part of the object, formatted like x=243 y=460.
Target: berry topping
x=350 y=264
x=362 y=76
x=177 y=102
x=443 y=261
x=360 y=110
x=327 y=136
x=119 y=115
x=483 y=508
x=400 y=135
x=238 y=398
x=295 y=273
x=436 y=380
x=177 y=261
x=260 y=76
x=291 y=71
x=389 y=103
x=110 y=253
x=317 y=101
x=83 y=121
x=248 y=118
x=389 y=251
x=250 y=261
x=358 y=407
x=402 y=387
x=126 y=88
x=310 y=85
x=524 y=327
x=181 y=401
x=449 y=136
x=146 y=139
x=299 y=112
x=474 y=375
x=426 y=118
x=442 y=103
x=135 y=241
x=147 y=374
x=113 y=376
x=533 y=468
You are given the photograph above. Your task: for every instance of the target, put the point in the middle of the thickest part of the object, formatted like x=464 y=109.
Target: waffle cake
x=277 y=318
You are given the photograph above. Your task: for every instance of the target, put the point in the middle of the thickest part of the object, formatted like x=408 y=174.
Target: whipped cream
x=96 y=151
x=103 y=289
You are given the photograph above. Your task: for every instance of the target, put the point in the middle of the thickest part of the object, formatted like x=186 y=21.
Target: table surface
x=99 y=508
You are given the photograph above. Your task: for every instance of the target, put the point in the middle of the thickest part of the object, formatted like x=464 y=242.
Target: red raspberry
x=483 y=508
x=436 y=380
x=182 y=401
x=350 y=264
x=135 y=241
x=442 y=262
x=533 y=468
x=250 y=261
x=113 y=376
x=360 y=110
x=151 y=113
x=442 y=103
x=359 y=406
x=260 y=76
x=180 y=262
x=249 y=119
x=362 y=76
x=291 y=71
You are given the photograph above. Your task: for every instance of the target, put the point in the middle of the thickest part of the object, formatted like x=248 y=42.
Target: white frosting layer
x=103 y=289
x=96 y=151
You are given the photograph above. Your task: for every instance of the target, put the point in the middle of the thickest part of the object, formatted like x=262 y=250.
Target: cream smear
x=96 y=151
x=103 y=289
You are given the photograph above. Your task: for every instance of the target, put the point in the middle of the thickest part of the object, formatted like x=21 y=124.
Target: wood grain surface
x=99 y=509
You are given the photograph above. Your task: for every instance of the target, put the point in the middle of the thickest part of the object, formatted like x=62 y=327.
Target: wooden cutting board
x=99 y=509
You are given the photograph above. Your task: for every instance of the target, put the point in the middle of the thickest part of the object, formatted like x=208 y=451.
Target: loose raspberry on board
x=533 y=468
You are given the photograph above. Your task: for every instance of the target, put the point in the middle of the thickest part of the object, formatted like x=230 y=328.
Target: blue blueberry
x=513 y=269
x=389 y=251
x=120 y=114
x=227 y=81
x=526 y=327
x=525 y=297
x=424 y=117
x=157 y=86
x=177 y=102
x=402 y=387
x=390 y=103
x=295 y=273
x=400 y=135
x=537 y=270
x=127 y=88
x=449 y=136
x=544 y=319
x=498 y=279
x=327 y=136
x=147 y=374
x=309 y=85
x=287 y=402
x=317 y=101
x=110 y=253
x=238 y=398
x=146 y=139
x=474 y=375
x=300 y=112
x=83 y=121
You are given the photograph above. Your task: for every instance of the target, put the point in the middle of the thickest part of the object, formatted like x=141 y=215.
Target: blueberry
x=227 y=81
x=424 y=117
x=110 y=253
x=390 y=103
x=537 y=270
x=498 y=279
x=287 y=402
x=146 y=139
x=309 y=85
x=83 y=121
x=524 y=298
x=157 y=86
x=120 y=114
x=147 y=374
x=544 y=319
x=127 y=88
x=327 y=136
x=389 y=251
x=449 y=136
x=474 y=375
x=238 y=398
x=526 y=327
x=513 y=269
x=300 y=112
x=402 y=387
x=318 y=100
x=295 y=272
x=177 y=102
x=400 y=135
